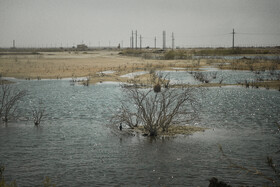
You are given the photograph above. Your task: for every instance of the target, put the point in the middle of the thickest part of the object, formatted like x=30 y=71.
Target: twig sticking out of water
x=248 y=170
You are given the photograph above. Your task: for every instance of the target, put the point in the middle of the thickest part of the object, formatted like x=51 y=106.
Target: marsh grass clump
x=3 y=182
x=255 y=65
x=267 y=84
x=170 y=55
x=204 y=78
x=176 y=54
x=132 y=52
x=174 y=130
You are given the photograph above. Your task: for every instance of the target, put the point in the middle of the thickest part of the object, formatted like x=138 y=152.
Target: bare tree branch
x=9 y=98
x=156 y=111
x=38 y=114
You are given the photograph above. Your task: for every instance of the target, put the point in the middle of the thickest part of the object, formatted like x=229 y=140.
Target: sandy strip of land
x=73 y=64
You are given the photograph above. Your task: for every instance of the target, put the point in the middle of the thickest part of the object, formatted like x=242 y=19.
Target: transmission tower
x=136 y=39
x=140 y=42
x=132 y=40
x=163 y=40
x=233 y=38
x=173 y=41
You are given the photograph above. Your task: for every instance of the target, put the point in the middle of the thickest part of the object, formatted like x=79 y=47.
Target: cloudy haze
x=56 y=23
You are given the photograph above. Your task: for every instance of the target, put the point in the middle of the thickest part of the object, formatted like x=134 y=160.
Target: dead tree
x=38 y=114
x=9 y=98
x=156 y=111
x=86 y=82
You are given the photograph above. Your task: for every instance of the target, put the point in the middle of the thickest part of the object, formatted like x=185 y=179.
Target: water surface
x=75 y=145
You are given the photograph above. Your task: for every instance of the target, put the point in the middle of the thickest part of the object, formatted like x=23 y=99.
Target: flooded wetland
x=77 y=144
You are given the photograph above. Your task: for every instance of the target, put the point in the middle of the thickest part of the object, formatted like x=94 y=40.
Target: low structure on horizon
x=82 y=47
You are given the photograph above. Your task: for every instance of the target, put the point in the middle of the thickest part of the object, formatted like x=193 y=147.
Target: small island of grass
x=173 y=130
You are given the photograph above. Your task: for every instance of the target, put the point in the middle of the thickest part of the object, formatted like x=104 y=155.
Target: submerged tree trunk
x=153 y=132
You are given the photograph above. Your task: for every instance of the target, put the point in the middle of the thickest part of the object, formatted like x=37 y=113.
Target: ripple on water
x=75 y=147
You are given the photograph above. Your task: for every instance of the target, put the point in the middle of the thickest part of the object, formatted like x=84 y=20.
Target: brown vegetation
x=91 y=64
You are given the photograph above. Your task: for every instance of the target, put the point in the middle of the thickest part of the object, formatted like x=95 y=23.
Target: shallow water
x=75 y=145
x=132 y=75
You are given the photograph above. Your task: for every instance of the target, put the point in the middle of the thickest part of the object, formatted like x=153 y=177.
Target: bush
x=156 y=111
x=170 y=55
x=157 y=88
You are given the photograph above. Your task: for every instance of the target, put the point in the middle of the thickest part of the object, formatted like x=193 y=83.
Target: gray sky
x=41 y=23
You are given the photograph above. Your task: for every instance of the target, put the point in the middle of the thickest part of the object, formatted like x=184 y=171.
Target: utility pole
x=136 y=39
x=173 y=41
x=14 y=44
x=132 y=40
x=233 y=38
x=155 y=42
x=140 y=42
x=163 y=40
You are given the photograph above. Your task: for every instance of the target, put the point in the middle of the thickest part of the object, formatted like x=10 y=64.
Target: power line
x=209 y=35
x=258 y=33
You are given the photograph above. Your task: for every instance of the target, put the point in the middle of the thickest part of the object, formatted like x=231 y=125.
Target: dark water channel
x=75 y=146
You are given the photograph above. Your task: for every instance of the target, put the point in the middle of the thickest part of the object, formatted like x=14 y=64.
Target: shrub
x=170 y=55
x=156 y=111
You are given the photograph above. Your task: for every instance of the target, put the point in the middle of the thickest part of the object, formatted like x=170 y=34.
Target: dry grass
x=64 y=64
x=60 y=64
x=55 y=65
x=269 y=84
x=252 y=65
x=272 y=84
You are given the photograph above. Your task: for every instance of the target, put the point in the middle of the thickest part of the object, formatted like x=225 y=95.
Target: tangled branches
x=156 y=111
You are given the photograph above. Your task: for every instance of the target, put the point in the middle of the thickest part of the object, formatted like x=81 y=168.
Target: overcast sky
x=50 y=23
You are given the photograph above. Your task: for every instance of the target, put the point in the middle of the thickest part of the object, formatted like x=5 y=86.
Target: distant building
x=82 y=47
